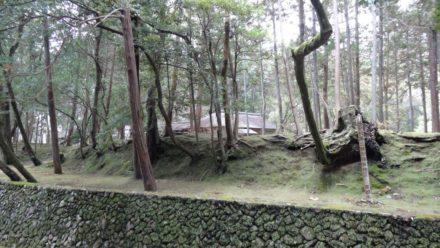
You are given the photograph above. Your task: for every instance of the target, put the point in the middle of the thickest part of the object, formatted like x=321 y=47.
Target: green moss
x=428 y=216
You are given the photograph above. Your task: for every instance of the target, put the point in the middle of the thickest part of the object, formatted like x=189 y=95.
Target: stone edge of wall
x=208 y=200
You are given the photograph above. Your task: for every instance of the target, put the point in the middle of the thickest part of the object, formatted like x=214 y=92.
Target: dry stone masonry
x=32 y=216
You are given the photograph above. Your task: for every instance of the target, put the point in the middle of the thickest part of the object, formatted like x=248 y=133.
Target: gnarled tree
x=298 y=54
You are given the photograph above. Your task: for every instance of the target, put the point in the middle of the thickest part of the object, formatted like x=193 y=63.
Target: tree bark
x=380 y=91
x=373 y=64
x=357 y=88
x=263 y=93
x=433 y=80
x=408 y=82
x=224 y=74
x=51 y=100
x=298 y=55
x=8 y=152
x=20 y=125
x=337 y=59
x=351 y=92
x=98 y=89
x=277 y=75
x=363 y=155
x=325 y=91
x=139 y=142
x=396 y=74
x=315 y=89
x=423 y=88
x=9 y=173
x=153 y=138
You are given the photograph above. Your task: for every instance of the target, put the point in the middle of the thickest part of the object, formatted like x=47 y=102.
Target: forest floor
x=269 y=173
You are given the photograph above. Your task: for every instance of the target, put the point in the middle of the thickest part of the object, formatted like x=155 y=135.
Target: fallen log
x=342 y=142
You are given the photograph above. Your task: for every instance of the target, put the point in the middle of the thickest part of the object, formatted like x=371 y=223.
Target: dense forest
x=97 y=74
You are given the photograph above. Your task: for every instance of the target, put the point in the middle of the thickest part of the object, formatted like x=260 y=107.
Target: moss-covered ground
x=409 y=185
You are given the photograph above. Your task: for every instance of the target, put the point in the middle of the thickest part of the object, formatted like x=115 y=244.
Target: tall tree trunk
x=325 y=91
x=172 y=97
x=423 y=88
x=315 y=89
x=302 y=26
x=357 y=84
x=193 y=101
x=98 y=89
x=5 y=130
x=51 y=100
x=18 y=121
x=396 y=73
x=373 y=64
x=337 y=59
x=381 y=87
x=408 y=82
x=277 y=75
x=153 y=138
x=351 y=92
x=386 y=83
x=298 y=55
x=233 y=68
x=263 y=92
x=433 y=80
x=224 y=74
x=139 y=142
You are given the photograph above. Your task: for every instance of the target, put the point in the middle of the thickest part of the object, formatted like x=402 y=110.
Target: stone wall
x=33 y=216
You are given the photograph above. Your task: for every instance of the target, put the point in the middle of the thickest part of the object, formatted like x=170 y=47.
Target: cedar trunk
x=51 y=101
x=139 y=142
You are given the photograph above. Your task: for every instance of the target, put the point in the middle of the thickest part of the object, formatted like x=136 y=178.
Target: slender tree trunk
x=263 y=92
x=73 y=113
x=387 y=83
x=357 y=88
x=337 y=59
x=298 y=55
x=5 y=131
x=433 y=80
x=408 y=82
x=51 y=101
x=325 y=91
x=98 y=89
x=302 y=26
x=8 y=152
x=18 y=121
x=423 y=88
x=139 y=142
x=351 y=92
x=381 y=87
x=363 y=153
x=373 y=64
x=172 y=97
x=396 y=73
x=9 y=172
x=233 y=68
x=226 y=105
x=193 y=104
x=277 y=75
x=153 y=138
x=315 y=89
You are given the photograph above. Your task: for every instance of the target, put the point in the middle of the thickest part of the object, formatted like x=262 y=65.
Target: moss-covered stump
x=43 y=217
x=342 y=141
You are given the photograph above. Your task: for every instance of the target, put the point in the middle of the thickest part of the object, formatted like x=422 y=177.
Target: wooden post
x=363 y=154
